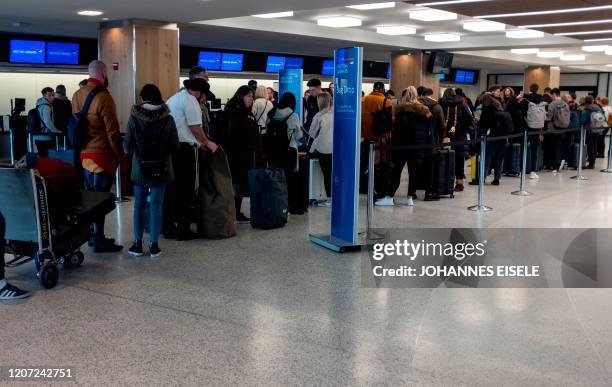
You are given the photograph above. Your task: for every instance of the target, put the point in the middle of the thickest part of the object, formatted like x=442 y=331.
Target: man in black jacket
x=62 y=108
x=311 y=107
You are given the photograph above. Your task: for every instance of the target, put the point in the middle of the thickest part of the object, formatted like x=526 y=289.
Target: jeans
x=100 y=182
x=534 y=142
x=155 y=212
x=325 y=161
x=495 y=157
x=591 y=143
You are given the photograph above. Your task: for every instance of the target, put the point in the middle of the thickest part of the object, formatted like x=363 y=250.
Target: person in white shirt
x=261 y=108
x=601 y=141
x=322 y=132
x=185 y=109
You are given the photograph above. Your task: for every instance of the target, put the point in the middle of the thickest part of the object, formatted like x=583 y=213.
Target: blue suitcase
x=269 y=199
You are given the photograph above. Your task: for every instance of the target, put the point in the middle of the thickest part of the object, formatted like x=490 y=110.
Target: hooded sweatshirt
x=45 y=109
x=438 y=114
x=552 y=108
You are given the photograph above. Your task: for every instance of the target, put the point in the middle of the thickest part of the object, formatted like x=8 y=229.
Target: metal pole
x=522 y=191
x=12 y=141
x=370 y=235
x=118 y=197
x=481 y=179
x=580 y=156
x=609 y=169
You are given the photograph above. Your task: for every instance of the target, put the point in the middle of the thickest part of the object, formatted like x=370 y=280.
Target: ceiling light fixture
x=598 y=40
x=442 y=37
x=87 y=12
x=610 y=65
x=572 y=58
x=595 y=48
x=609 y=51
x=339 y=21
x=429 y=15
x=583 y=33
x=366 y=7
x=524 y=51
x=483 y=26
x=524 y=34
x=396 y=30
x=549 y=12
x=275 y=15
x=577 y=23
x=550 y=54
x=449 y=2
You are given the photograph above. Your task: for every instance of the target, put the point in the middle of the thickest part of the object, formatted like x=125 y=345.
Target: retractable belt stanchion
x=12 y=141
x=118 y=196
x=370 y=235
x=580 y=156
x=609 y=168
x=522 y=191
x=481 y=179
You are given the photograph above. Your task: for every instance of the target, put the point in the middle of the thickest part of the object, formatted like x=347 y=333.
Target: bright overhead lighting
x=595 y=48
x=610 y=65
x=598 y=40
x=449 y=2
x=550 y=54
x=396 y=30
x=549 y=12
x=86 y=12
x=483 y=26
x=429 y=15
x=583 y=33
x=339 y=21
x=275 y=15
x=524 y=34
x=576 y=23
x=366 y=7
x=572 y=58
x=444 y=37
x=525 y=51
x=609 y=51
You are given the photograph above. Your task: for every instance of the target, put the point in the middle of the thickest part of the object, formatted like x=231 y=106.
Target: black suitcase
x=297 y=187
x=513 y=160
x=574 y=154
x=443 y=182
x=269 y=200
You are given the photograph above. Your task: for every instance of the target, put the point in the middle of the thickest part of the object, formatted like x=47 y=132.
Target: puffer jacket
x=454 y=106
x=412 y=127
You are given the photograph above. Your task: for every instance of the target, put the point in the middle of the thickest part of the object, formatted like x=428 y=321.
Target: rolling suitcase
x=269 y=200
x=444 y=173
x=512 y=160
x=297 y=187
x=574 y=154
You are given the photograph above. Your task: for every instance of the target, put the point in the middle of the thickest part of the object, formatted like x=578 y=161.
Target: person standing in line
x=62 y=108
x=46 y=139
x=601 y=141
x=533 y=106
x=559 y=117
x=152 y=136
x=185 y=109
x=311 y=107
x=591 y=138
x=371 y=104
x=103 y=151
x=271 y=95
x=8 y=292
x=261 y=108
x=489 y=123
x=322 y=129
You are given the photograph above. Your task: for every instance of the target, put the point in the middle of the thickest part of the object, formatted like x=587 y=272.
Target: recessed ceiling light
x=432 y=15
x=483 y=26
x=598 y=40
x=339 y=21
x=609 y=51
x=572 y=58
x=525 y=51
x=365 y=7
x=550 y=54
x=449 y=2
x=610 y=65
x=577 y=23
x=275 y=15
x=583 y=33
x=549 y=12
x=396 y=30
x=105 y=19
x=524 y=34
x=595 y=48
x=442 y=37
x=87 y=12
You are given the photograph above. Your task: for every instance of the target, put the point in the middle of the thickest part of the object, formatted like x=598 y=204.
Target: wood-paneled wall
x=543 y=76
x=410 y=69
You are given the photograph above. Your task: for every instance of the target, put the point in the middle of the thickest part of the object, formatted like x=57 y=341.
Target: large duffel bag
x=269 y=200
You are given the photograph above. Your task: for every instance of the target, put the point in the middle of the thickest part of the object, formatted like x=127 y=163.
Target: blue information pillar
x=290 y=80
x=345 y=166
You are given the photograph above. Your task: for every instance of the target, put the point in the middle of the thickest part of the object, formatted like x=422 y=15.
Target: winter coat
x=439 y=123
x=412 y=127
x=242 y=141
x=151 y=119
x=371 y=104
x=63 y=111
x=45 y=110
x=453 y=106
x=514 y=108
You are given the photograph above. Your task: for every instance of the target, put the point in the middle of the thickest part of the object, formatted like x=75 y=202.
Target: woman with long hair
x=261 y=107
x=322 y=130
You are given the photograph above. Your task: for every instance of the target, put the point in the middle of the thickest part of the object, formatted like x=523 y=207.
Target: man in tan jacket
x=101 y=154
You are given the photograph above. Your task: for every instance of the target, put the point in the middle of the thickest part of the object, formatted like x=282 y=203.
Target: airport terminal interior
x=294 y=303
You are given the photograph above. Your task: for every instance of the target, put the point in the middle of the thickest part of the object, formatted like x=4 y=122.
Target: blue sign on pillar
x=345 y=164
x=290 y=80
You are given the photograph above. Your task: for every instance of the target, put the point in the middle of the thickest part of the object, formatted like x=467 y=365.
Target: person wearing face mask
x=103 y=150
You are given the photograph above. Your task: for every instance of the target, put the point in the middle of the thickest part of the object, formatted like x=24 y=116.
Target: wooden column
x=409 y=68
x=543 y=76
x=137 y=52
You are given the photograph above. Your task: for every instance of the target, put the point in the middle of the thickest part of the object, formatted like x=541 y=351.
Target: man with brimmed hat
x=185 y=109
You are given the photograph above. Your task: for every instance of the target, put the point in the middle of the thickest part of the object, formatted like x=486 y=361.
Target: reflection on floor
x=270 y=308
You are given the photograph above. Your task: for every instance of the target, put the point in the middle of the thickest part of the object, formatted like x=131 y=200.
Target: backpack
x=276 y=141
x=598 y=121
x=536 y=115
x=562 y=116
x=383 y=120
x=503 y=124
x=78 y=123
x=151 y=151
x=34 y=123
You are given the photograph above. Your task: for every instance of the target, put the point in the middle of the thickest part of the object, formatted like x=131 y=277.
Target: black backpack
x=383 y=120
x=151 y=150
x=503 y=124
x=34 y=123
x=276 y=141
x=77 y=125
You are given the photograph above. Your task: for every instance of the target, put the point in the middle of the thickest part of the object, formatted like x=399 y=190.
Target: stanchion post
x=370 y=235
x=580 y=156
x=481 y=179
x=522 y=191
x=12 y=141
x=118 y=196
x=609 y=168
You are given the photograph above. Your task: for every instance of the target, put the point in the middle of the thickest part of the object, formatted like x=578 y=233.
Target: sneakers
x=413 y=196
x=242 y=218
x=154 y=250
x=10 y=292
x=562 y=165
x=495 y=182
x=92 y=241
x=325 y=204
x=106 y=246
x=590 y=166
x=533 y=176
x=386 y=201
x=407 y=202
x=136 y=249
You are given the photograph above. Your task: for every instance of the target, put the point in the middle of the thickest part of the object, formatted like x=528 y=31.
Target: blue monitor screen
x=231 y=62
x=27 y=51
x=389 y=72
x=442 y=76
x=62 y=53
x=210 y=60
x=469 y=76
x=275 y=63
x=294 y=63
x=460 y=76
x=328 y=67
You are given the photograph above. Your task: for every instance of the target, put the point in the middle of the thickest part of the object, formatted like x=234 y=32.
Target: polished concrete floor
x=269 y=308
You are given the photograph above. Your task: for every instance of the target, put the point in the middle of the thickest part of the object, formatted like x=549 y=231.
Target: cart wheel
x=48 y=275
x=72 y=261
x=80 y=256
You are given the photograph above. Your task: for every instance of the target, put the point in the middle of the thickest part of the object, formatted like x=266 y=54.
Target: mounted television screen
x=440 y=62
x=275 y=63
x=294 y=63
x=389 y=72
x=210 y=60
x=442 y=77
x=62 y=53
x=328 y=67
x=231 y=62
x=27 y=51
x=469 y=77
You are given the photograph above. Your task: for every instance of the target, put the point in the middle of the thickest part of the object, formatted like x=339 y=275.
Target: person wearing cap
x=371 y=104
x=185 y=109
x=201 y=73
